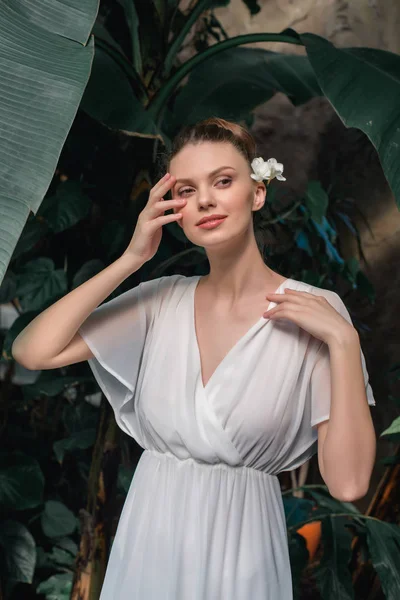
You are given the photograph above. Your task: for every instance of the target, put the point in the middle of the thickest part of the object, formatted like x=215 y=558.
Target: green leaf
x=109 y=98
x=317 y=201
x=336 y=506
x=394 y=428
x=21 y=481
x=88 y=270
x=106 y=42
x=124 y=478
x=297 y=509
x=328 y=234
x=177 y=42
x=34 y=231
x=112 y=237
x=51 y=384
x=299 y=556
x=389 y=460
x=68 y=545
x=79 y=416
x=384 y=545
x=78 y=441
x=45 y=61
x=303 y=242
x=234 y=82
x=62 y=554
x=8 y=287
x=332 y=574
x=57 y=520
x=38 y=283
x=68 y=206
x=132 y=20
x=60 y=557
x=363 y=86
x=365 y=286
x=71 y=20
x=18 y=552
x=56 y=587
x=81 y=437
x=160 y=99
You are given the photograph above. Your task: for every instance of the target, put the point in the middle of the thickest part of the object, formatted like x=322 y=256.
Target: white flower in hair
x=266 y=169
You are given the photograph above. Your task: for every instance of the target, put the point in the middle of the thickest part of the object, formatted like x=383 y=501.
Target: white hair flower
x=266 y=169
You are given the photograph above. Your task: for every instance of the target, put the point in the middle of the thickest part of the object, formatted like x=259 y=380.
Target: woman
x=225 y=380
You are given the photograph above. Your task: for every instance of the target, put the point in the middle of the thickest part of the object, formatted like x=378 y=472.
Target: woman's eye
x=184 y=190
x=181 y=192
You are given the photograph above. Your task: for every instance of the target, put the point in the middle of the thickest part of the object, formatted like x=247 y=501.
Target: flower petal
x=257 y=162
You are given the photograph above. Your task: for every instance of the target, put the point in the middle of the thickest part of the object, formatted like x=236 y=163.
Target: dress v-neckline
x=196 y=279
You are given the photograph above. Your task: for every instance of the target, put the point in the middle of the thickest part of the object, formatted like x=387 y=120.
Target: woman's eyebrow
x=210 y=174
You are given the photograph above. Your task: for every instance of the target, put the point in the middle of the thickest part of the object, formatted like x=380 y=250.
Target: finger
x=285 y=311
x=162 y=205
x=283 y=298
x=298 y=297
x=161 y=181
x=158 y=222
x=305 y=294
x=161 y=188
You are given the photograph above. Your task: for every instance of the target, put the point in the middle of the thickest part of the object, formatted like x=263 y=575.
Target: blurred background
x=92 y=95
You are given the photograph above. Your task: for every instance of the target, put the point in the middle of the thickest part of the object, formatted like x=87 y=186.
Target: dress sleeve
x=321 y=375
x=116 y=332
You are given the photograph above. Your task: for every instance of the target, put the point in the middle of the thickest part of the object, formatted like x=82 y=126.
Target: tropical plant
x=137 y=96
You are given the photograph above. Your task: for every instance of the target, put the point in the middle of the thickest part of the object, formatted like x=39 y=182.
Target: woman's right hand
x=148 y=231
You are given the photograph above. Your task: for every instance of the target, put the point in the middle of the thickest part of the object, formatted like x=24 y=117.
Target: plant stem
x=161 y=97
x=318 y=518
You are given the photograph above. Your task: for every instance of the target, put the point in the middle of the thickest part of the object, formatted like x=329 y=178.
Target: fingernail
x=167 y=176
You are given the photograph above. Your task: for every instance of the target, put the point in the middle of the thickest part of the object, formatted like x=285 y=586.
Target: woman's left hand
x=313 y=313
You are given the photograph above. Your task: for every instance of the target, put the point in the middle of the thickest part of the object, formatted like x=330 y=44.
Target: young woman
x=225 y=381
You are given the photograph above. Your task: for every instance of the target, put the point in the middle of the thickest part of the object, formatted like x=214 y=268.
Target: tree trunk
x=97 y=518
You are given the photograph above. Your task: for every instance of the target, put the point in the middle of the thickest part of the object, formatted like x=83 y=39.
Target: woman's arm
x=346 y=438
x=348 y=443
x=51 y=339
x=44 y=343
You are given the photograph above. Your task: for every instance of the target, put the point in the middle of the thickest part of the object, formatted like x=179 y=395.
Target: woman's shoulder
x=164 y=287
x=166 y=281
x=330 y=295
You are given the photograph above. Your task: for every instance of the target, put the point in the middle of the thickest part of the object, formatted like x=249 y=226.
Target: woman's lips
x=211 y=224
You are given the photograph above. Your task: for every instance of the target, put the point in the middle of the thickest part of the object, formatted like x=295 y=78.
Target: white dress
x=204 y=516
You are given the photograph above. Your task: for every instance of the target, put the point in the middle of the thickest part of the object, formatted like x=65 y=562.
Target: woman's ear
x=260 y=194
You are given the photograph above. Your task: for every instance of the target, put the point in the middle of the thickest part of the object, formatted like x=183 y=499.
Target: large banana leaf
x=45 y=61
x=229 y=84
x=109 y=97
x=363 y=86
x=333 y=574
x=234 y=82
x=384 y=545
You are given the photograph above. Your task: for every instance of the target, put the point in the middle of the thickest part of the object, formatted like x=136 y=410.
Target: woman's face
x=214 y=178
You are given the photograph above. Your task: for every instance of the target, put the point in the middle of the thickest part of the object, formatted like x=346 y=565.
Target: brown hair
x=214 y=129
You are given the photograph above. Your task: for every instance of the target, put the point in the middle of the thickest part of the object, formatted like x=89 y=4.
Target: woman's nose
x=205 y=197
